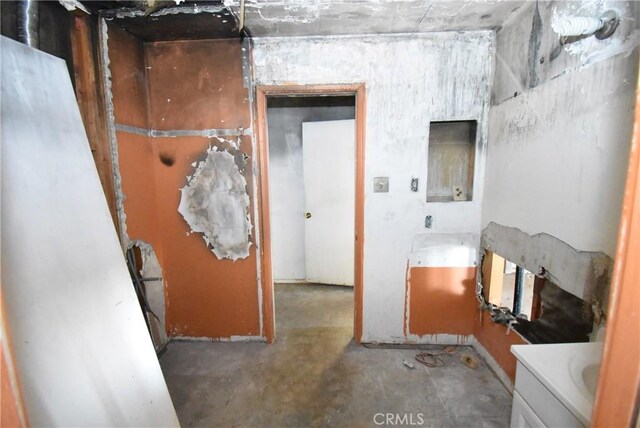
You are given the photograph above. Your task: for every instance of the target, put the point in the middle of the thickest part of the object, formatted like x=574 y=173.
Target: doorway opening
x=312 y=200
x=311 y=146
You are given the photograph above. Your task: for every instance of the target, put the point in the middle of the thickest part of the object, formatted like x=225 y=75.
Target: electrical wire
x=432 y=359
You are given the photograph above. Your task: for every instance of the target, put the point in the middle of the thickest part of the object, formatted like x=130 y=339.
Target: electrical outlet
x=414 y=184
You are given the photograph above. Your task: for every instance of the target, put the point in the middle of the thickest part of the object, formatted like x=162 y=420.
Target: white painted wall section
x=410 y=81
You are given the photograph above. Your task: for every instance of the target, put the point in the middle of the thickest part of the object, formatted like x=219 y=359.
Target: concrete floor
x=314 y=375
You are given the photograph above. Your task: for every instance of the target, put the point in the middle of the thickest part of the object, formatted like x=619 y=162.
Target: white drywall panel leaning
x=83 y=352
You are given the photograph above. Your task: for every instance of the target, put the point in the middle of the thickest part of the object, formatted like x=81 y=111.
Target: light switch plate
x=380 y=184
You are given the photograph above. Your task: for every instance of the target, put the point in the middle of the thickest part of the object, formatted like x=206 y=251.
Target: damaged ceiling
x=189 y=21
x=288 y=18
x=338 y=17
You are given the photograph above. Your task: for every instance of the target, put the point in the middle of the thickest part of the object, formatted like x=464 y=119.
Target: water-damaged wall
x=559 y=136
x=178 y=105
x=410 y=81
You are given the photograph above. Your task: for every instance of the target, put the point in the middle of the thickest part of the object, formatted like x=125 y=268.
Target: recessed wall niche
x=452 y=147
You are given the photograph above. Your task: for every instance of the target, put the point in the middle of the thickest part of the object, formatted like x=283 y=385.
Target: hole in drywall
x=167 y=159
x=146 y=274
x=512 y=287
x=452 y=147
x=215 y=203
x=537 y=308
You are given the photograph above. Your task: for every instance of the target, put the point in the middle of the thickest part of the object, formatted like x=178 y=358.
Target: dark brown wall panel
x=128 y=78
x=197 y=85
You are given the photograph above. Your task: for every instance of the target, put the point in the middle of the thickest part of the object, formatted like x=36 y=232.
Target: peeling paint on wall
x=215 y=203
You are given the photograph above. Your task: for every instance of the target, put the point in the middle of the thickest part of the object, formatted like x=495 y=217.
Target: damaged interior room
x=320 y=213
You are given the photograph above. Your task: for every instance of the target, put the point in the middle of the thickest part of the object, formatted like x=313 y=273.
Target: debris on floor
x=432 y=359
x=409 y=364
x=469 y=361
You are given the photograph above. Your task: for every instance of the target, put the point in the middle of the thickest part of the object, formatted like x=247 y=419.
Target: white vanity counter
x=556 y=382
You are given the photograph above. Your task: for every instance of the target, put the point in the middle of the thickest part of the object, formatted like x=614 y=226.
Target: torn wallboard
x=152 y=277
x=215 y=203
x=585 y=274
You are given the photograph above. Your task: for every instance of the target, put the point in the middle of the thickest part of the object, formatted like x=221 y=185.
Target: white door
x=328 y=152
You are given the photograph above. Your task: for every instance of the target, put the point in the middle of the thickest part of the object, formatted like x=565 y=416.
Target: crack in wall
x=215 y=203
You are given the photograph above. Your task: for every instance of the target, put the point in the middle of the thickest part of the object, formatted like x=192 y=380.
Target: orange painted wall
x=197 y=84
x=135 y=158
x=494 y=338
x=186 y=85
x=441 y=300
x=205 y=296
x=135 y=152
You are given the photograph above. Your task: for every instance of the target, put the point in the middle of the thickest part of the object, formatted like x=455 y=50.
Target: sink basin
x=590 y=378
x=568 y=370
x=584 y=371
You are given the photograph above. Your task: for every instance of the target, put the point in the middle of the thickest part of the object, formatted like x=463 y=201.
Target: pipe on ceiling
x=28 y=15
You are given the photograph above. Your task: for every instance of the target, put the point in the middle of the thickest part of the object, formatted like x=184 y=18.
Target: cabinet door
x=522 y=416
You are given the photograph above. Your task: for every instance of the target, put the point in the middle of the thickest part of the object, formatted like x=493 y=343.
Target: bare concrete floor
x=314 y=375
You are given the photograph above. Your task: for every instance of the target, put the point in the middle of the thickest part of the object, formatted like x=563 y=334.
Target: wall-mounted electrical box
x=452 y=147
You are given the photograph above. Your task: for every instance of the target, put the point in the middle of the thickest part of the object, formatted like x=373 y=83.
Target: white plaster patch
x=215 y=203
x=444 y=250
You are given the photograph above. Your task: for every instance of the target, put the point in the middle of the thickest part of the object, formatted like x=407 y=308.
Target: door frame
x=262 y=140
x=617 y=398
